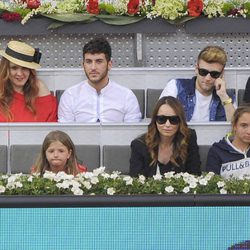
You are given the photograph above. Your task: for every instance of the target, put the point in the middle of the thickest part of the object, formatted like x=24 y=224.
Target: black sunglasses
x=161 y=119
x=204 y=72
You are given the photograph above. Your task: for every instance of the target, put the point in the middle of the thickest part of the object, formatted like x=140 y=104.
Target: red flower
x=11 y=17
x=133 y=6
x=32 y=4
x=195 y=7
x=93 y=7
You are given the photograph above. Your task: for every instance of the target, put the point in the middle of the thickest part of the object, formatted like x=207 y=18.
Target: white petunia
x=49 y=175
x=157 y=177
x=220 y=184
x=169 y=189
x=203 y=182
x=77 y=191
x=94 y=180
x=223 y=191
x=110 y=191
x=2 y=189
x=186 y=190
x=87 y=184
x=142 y=179
x=30 y=179
x=169 y=175
x=128 y=180
x=99 y=171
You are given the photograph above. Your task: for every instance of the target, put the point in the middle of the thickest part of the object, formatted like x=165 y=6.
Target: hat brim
x=29 y=65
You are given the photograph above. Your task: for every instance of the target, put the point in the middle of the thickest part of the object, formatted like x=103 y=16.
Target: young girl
x=230 y=157
x=58 y=154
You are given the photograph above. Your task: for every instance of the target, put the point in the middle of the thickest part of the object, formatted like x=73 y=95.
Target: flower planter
x=40 y=26
x=218 y=25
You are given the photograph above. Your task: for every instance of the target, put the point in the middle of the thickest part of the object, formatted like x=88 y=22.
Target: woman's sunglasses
x=162 y=119
x=204 y=72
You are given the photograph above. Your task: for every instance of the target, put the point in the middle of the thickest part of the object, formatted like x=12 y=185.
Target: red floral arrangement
x=32 y=4
x=92 y=7
x=133 y=6
x=195 y=7
x=11 y=17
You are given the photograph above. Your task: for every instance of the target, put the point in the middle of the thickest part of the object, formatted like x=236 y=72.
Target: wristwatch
x=229 y=100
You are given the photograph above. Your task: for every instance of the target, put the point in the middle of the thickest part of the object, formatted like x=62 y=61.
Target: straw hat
x=22 y=54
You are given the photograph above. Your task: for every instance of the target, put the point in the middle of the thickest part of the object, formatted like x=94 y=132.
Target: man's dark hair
x=96 y=46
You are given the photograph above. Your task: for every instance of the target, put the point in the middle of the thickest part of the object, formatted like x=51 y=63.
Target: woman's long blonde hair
x=181 y=138
x=30 y=90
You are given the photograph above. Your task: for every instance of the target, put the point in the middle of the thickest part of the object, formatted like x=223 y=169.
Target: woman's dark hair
x=180 y=141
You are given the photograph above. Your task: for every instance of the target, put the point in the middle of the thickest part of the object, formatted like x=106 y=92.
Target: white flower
x=87 y=184
x=193 y=185
x=110 y=191
x=98 y=171
x=128 y=180
x=209 y=175
x=220 y=184
x=157 y=177
x=49 y=175
x=142 y=179
x=169 y=175
x=77 y=191
x=203 y=182
x=2 y=189
x=94 y=180
x=186 y=190
x=115 y=175
x=30 y=179
x=223 y=191
x=169 y=189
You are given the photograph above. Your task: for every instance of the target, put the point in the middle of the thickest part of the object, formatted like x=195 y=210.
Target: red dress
x=46 y=109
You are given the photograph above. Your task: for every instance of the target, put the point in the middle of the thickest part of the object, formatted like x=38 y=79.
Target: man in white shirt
x=204 y=97
x=98 y=99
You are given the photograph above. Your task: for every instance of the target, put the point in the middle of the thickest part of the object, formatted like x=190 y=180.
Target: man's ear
x=110 y=65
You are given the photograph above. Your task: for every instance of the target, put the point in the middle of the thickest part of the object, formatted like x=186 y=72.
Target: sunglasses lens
x=174 y=120
x=203 y=72
x=161 y=119
x=214 y=74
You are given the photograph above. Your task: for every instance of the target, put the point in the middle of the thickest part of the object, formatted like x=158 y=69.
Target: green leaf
x=119 y=20
x=69 y=18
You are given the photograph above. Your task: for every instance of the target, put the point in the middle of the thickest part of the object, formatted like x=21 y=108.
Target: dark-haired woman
x=168 y=145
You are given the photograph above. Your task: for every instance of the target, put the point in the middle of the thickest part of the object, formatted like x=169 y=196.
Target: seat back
x=203 y=150
x=22 y=157
x=152 y=98
x=89 y=155
x=59 y=93
x=116 y=158
x=3 y=159
x=240 y=97
x=140 y=95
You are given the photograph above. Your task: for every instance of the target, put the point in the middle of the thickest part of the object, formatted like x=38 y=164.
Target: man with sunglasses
x=205 y=97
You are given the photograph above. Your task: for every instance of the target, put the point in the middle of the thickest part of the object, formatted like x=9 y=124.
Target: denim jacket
x=186 y=95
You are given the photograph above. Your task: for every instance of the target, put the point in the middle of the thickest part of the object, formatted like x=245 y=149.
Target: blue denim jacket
x=186 y=95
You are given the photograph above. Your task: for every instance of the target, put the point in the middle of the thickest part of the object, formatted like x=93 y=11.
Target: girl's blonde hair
x=42 y=164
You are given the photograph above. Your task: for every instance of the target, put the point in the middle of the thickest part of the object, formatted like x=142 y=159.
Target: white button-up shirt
x=114 y=103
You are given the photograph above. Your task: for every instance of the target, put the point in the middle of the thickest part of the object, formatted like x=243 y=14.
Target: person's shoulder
x=43 y=89
x=75 y=87
x=118 y=86
x=140 y=140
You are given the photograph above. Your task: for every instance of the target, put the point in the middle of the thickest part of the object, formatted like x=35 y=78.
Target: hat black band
x=35 y=58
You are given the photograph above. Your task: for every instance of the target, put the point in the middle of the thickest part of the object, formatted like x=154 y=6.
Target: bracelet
x=229 y=100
